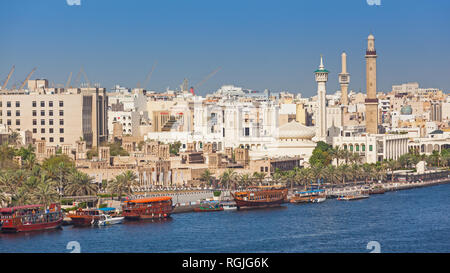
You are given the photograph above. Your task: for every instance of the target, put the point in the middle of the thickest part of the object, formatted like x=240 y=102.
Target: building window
x=17 y=113
x=363 y=147
x=50 y=112
x=42 y=113
x=246 y=131
x=8 y=104
x=8 y=113
x=34 y=113
x=51 y=130
x=50 y=122
x=61 y=112
x=61 y=130
x=61 y=122
x=42 y=121
x=61 y=139
x=17 y=103
x=61 y=103
x=51 y=139
x=34 y=122
x=50 y=103
x=34 y=131
x=42 y=130
x=34 y=103
x=17 y=121
x=357 y=148
x=42 y=103
x=8 y=122
x=370 y=148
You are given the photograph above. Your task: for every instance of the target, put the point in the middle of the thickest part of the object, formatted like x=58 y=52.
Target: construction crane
x=68 y=81
x=26 y=80
x=204 y=80
x=85 y=77
x=9 y=77
x=147 y=79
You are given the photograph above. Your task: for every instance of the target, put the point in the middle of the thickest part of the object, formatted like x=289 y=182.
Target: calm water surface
x=416 y=220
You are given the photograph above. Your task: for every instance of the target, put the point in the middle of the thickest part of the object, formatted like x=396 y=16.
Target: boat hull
x=31 y=227
x=243 y=204
x=113 y=221
x=82 y=221
x=207 y=210
x=136 y=217
x=260 y=199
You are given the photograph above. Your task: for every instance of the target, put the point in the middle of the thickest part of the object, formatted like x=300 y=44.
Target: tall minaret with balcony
x=371 y=83
x=321 y=120
x=344 y=80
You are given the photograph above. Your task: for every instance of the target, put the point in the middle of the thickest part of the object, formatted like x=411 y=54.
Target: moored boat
x=148 y=208
x=353 y=197
x=31 y=218
x=260 y=197
x=311 y=196
x=209 y=206
x=106 y=220
x=84 y=217
x=228 y=205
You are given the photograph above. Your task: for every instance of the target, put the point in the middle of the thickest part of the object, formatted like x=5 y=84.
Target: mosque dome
x=406 y=110
x=295 y=130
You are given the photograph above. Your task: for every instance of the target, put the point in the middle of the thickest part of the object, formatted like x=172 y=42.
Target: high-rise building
x=58 y=119
x=344 y=79
x=321 y=120
x=371 y=83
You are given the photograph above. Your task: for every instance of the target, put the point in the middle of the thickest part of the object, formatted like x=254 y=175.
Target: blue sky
x=258 y=44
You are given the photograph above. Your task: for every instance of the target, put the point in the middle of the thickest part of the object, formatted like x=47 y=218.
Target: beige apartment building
x=58 y=118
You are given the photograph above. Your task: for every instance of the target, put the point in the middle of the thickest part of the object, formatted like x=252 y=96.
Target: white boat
x=229 y=205
x=318 y=200
x=106 y=220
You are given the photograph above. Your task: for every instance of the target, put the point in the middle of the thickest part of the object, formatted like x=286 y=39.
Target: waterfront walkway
x=389 y=186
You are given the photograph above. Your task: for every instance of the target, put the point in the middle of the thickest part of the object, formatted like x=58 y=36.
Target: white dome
x=295 y=130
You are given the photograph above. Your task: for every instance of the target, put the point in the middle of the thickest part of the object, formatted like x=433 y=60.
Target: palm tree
x=392 y=165
x=303 y=176
x=227 y=178
x=129 y=181
x=245 y=180
x=290 y=177
x=207 y=177
x=80 y=184
x=277 y=177
x=331 y=174
x=45 y=192
x=259 y=177
x=7 y=154
x=343 y=171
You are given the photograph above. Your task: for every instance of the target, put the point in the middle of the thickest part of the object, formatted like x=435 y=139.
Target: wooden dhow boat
x=148 y=208
x=30 y=218
x=260 y=197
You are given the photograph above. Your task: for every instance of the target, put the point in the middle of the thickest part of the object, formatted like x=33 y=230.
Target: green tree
x=80 y=184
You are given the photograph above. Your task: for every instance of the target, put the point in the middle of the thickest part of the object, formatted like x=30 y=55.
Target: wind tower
x=321 y=79
x=371 y=85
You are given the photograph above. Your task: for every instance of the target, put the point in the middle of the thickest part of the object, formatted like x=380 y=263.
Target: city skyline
x=190 y=40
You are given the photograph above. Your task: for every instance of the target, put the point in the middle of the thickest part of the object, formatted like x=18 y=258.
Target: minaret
x=321 y=79
x=344 y=80
x=371 y=83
